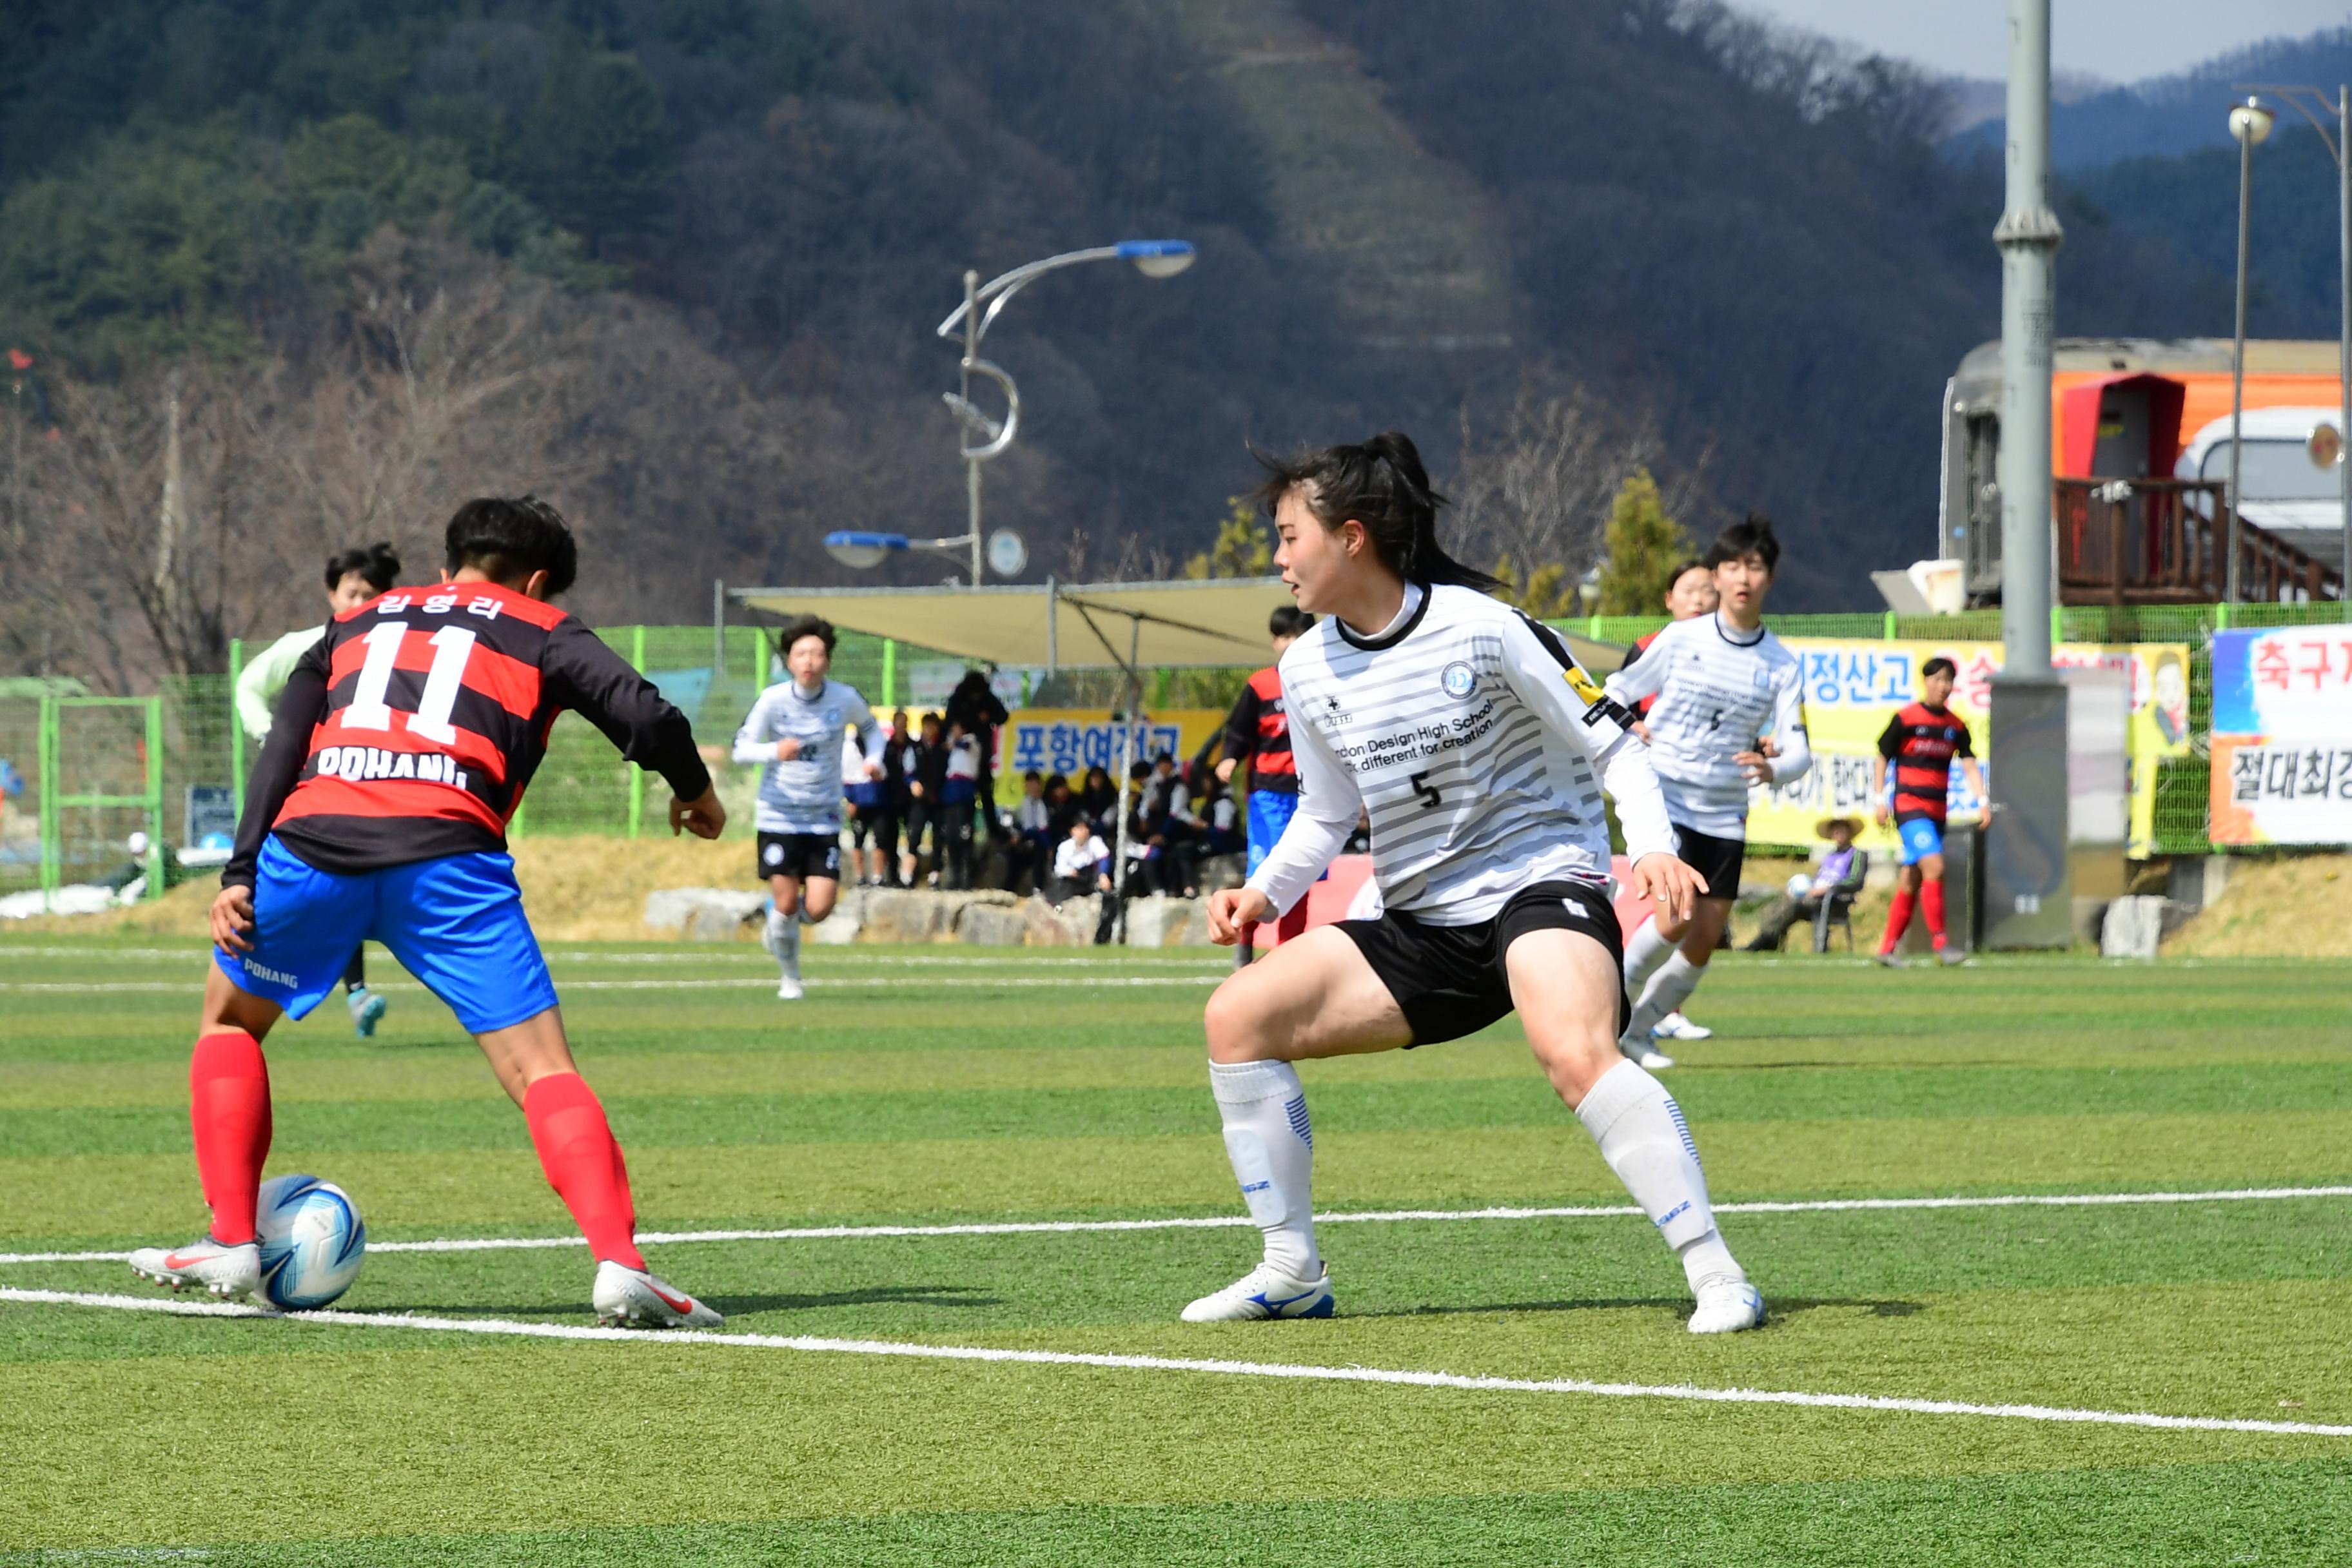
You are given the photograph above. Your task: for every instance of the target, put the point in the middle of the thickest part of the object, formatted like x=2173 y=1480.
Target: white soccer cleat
x=1675 y=1026
x=228 y=1272
x=1637 y=1049
x=1266 y=1291
x=628 y=1298
x=1726 y=1307
x=368 y=1008
x=788 y=988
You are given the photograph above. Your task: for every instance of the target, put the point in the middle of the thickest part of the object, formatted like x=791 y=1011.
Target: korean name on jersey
x=1719 y=691
x=1474 y=740
x=804 y=795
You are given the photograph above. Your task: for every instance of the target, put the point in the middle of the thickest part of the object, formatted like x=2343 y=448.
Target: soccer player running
x=1916 y=748
x=1721 y=681
x=1257 y=731
x=796 y=732
x=1689 y=591
x=353 y=577
x=397 y=755
x=1479 y=749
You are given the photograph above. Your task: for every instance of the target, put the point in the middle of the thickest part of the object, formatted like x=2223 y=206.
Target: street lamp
x=1152 y=257
x=2304 y=100
x=2250 y=123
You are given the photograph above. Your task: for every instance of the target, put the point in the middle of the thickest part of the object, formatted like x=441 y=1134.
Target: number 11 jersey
x=434 y=714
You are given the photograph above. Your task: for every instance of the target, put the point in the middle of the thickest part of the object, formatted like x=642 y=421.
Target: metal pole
x=2028 y=237
x=2343 y=342
x=972 y=464
x=718 y=628
x=235 y=728
x=636 y=775
x=2238 y=367
x=1054 y=624
x=157 y=870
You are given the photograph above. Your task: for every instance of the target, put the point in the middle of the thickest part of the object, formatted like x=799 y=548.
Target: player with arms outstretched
x=398 y=753
x=796 y=734
x=353 y=577
x=1725 y=686
x=1479 y=749
x=1911 y=777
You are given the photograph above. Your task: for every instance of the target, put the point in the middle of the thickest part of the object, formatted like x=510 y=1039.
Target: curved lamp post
x=1152 y=257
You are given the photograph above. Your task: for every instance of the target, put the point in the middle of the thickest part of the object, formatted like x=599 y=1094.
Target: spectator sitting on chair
x=1225 y=837
x=1841 y=870
x=1099 y=800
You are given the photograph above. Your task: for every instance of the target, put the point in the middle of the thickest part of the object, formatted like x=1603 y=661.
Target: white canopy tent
x=1079 y=625
x=1128 y=626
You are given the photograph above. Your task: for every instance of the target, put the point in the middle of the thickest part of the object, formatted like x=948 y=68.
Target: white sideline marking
x=1302 y=1372
x=818 y=983
x=1226 y=1222
x=720 y=955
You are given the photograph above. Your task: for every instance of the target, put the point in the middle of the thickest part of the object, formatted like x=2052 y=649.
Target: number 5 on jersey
x=1430 y=797
x=452 y=647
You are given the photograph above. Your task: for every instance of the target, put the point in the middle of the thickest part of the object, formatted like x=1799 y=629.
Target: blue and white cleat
x=216 y=1268
x=368 y=1008
x=1675 y=1026
x=1726 y=1307
x=1266 y=1291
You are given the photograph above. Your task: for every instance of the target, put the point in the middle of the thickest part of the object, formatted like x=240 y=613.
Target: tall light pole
x=2250 y=123
x=1152 y=257
x=2027 y=235
x=2311 y=102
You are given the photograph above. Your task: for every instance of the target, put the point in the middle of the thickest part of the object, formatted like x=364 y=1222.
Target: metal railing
x=2155 y=541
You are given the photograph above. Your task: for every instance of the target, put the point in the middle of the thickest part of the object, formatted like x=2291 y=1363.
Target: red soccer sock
x=228 y=1108
x=584 y=1165
x=1931 y=900
x=1898 y=918
x=1293 y=925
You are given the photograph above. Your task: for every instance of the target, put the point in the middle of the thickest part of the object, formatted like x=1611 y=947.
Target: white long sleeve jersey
x=804 y=795
x=1478 y=747
x=1719 y=691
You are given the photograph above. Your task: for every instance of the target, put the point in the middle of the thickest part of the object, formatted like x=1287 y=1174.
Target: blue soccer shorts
x=1270 y=812
x=456 y=924
x=1921 y=837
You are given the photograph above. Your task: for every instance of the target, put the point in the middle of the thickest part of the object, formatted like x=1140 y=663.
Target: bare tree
x=1535 y=492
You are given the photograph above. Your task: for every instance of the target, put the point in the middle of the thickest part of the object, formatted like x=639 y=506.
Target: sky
x=2116 y=40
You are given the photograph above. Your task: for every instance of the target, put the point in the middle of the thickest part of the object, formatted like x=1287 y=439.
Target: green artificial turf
x=922 y=1086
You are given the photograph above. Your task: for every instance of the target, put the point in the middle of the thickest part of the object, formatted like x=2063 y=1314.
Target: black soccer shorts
x=801 y=855
x=1449 y=981
x=1720 y=860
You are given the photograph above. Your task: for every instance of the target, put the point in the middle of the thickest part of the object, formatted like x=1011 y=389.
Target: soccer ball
x=1799 y=885
x=313 y=1241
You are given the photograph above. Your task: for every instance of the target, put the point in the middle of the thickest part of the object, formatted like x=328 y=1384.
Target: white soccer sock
x=784 y=938
x=1272 y=1146
x=1668 y=989
x=1644 y=950
x=1642 y=1136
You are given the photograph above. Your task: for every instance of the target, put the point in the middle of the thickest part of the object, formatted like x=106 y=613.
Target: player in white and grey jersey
x=1479 y=749
x=796 y=732
x=1729 y=715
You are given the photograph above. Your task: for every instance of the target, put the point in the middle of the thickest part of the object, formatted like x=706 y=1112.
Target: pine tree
x=1645 y=545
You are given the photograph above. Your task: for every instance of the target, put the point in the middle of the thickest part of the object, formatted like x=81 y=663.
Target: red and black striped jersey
x=1258 y=731
x=1921 y=741
x=412 y=727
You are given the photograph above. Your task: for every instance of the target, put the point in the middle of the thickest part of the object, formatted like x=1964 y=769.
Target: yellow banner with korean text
x=1853 y=687
x=1069 y=740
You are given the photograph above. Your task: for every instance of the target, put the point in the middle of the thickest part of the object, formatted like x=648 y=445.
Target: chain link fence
x=78 y=774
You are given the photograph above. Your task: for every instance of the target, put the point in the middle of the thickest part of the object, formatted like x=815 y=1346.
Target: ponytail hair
x=1382 y=485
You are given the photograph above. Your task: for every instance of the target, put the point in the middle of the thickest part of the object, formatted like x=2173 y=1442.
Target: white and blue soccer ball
x=313 y=1241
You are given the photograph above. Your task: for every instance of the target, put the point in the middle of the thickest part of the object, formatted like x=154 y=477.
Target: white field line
x=817 y=982
x=1234 y=1222
x=1290 y=1370
x=748 y=957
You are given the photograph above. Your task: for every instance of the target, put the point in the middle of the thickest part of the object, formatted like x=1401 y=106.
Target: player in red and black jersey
x=1917 y=748
x=1257 y=731
x=397 y=755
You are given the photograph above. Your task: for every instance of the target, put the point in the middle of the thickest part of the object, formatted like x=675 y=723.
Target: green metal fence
x=88 y=772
